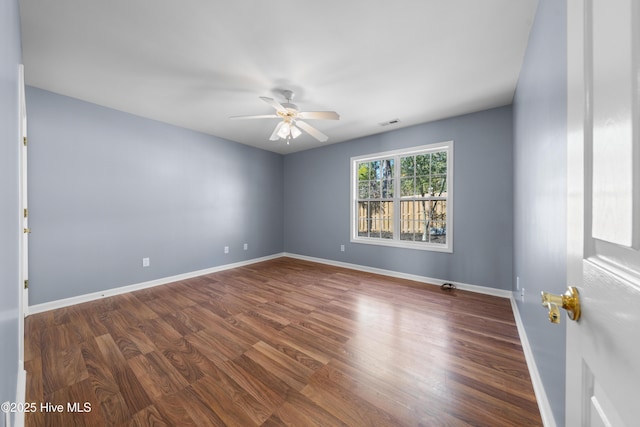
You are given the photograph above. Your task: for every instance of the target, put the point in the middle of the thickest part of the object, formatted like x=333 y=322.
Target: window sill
x=433 y=247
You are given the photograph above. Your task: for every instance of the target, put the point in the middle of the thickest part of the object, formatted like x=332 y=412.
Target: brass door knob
x=570 y=301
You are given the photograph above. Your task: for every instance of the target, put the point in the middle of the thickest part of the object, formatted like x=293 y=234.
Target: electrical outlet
x=246 y=246
x=341 y=248
x=522 y=293
x=146 y=262
x=226 y=249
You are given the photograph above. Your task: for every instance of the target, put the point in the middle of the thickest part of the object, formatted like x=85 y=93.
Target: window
x=403 y=198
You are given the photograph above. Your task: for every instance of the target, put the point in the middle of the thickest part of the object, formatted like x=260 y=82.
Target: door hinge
x=24 y=140
x=27 y=230
x=26 y=284
x=26 y=212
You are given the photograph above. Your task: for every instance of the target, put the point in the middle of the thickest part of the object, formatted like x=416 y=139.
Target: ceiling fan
x=289 y=127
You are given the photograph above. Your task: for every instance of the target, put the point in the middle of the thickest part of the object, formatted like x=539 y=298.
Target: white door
x=603 y=346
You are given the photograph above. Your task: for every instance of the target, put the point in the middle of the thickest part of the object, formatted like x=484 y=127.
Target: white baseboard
x=52 y=305
x=422 y=279
x=21 y=395
x=538 y=388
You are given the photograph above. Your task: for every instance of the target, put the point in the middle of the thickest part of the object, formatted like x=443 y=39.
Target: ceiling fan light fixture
x=285 y=130
x=295 y=132
x=288 y=131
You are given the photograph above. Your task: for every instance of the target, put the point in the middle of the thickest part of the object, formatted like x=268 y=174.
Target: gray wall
x=108 y=188
x=10 y=58
x=540 y=191
x=317 y=201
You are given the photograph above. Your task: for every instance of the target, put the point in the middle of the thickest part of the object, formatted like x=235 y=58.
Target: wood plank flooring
x=281 y=343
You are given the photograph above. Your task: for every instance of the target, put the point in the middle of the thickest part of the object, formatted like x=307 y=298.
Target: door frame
x=23 y=253
x=23 y=211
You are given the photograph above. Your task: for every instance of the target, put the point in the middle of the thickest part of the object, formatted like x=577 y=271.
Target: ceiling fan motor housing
x=289 y=106
x=288 y=95
x=292 y=110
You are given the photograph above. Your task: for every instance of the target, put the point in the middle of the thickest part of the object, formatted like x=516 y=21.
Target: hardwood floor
x=281 y=343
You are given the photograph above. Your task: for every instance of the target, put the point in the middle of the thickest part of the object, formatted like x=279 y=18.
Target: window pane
x=422 y=221
x=406 y=187
x=438 y=234
x=386 y=216
x=423 y=186
x=375 y=213
x=363 y=220
x=439 y=210
x=421 y=235
x=374 y=170
x=374 y=230
x=403 y=214
x=387 y=188
x=386 y=168
x=374 y=189
x=422 y=164
x=439 y=184
x=407 y=215
x=407 y=166
x=363 y=171
x=374 y=209
x=363 y=190
x=438 y=227
x=386 y=178
x=407 y=232
x=386 y=227
x=376 y=219
x=439 y=162
x=415 y=233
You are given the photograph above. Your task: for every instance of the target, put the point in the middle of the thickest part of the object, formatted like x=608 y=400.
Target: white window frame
x=446 y=146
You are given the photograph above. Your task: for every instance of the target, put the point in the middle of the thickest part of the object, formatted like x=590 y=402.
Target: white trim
x=405 y=244
x=21 y=379
x=538 y=388
x=422 y=279
x=52 y=305
x=23 y=240
x=436 y=146
x=21 y=395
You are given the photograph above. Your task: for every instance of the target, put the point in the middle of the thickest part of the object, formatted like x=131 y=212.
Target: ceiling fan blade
x=319 y=115
x=275 y=104
x=274 y=136
x=264 y=116
x=312 y=131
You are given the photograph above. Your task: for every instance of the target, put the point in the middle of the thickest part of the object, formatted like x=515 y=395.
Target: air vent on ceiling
x=390 y=122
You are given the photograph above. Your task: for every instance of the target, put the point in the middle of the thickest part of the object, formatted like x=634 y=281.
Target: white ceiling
x=194 y=63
